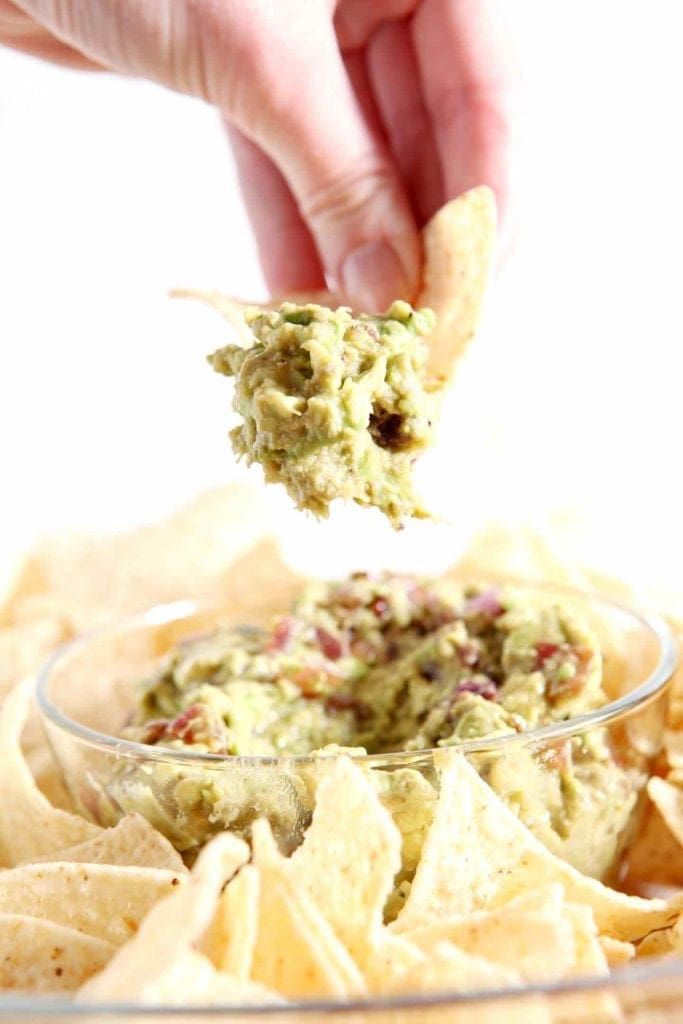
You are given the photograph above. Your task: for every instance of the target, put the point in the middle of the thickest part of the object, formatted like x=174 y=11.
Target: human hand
x=351 y=120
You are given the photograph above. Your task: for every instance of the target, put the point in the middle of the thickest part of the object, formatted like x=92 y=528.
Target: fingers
x=276 y=72
x=302 y=111
x=396 y=85
x=287 y=251
x=20 y=32
x=357 y=71
x=356 y=20
x=467 y=79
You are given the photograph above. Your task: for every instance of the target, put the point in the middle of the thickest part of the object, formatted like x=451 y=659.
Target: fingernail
x=372 y=276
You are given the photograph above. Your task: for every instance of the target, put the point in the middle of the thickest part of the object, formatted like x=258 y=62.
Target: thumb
x=302 y=111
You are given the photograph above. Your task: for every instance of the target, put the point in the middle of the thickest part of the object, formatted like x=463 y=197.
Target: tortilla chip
x=590 y=955
x=657 y=943
x=102 y=900
x=616 y=953
x=500 y=552
x=158 y=953
x=41 y=956
x=29 y=826
x=591 y=961
x=24 y=648
x=230 y=940
x=231 y=310
x=345 y=868
x=48 y=776
x=478 y=855
x=389 y=959
x=668 y=800
x=306 y=957
x=292 y=954
x=449 y=969
x=272 y=585
x=459 y=244
x=131 y=843
x=349 y=857
x=68 y=612
x=18 y=578
x=673 y=745
x=540 y=946
x=188 y=555
x=192 y=981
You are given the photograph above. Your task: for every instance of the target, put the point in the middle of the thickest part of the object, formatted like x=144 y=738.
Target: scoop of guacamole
x=335 y=405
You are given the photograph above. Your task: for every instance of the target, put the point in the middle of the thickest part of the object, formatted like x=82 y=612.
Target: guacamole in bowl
x=203 y=724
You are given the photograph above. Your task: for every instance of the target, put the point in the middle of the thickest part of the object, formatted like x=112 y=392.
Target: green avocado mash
x=380 y=664
x=387 y=663
x=334 y=405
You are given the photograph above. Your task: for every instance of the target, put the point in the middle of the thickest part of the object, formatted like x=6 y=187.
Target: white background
x=113 y=191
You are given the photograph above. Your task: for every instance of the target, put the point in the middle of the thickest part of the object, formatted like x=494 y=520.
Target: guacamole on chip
x=338 y=404
x=335 y=405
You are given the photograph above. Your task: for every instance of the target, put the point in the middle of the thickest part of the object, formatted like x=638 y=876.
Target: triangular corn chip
x=449 y=969
x=188 y=555
x=102 y=900
x=459 y=244
x=459 y=247
x=540 y=946
x=29 y=826
x=190 y=980
x=230 y=940
x=41 y=956
x=349 y=857
x=478 y=855
x=147 y=964
x=133 y=842
x=668 y=800
x=297 y=952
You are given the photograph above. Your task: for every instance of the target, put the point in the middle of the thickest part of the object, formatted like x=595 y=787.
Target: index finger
x=467 y=75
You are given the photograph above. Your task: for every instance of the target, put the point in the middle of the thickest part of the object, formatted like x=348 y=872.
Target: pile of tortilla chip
x=113 y=914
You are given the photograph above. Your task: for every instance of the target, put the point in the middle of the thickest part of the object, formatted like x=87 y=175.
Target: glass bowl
x=645 y=992
x=86 y=691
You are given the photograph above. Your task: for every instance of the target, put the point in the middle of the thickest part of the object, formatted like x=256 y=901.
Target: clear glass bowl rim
x=161 y=614
x=634 y=975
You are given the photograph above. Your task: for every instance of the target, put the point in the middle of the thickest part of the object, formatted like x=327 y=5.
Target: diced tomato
x=154 y=730
x=544 y=651
x=583 y=656
x=181 y=728
x=330 y=645
x=481 y=685
x=313 y=681
x=281 y=635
